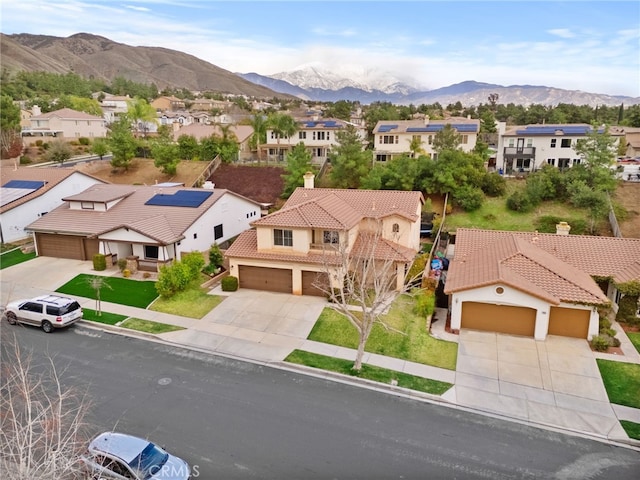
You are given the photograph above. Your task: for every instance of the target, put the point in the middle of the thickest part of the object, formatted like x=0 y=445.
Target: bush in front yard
x=99 y=262
x=229 y=284
x=173 y=279
x=425 y=304
x=600 y=343
x=194 y=262
x=627 y=308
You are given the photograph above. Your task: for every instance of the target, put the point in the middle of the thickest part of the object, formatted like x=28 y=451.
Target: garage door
x=569 y=322
x=311 y=279
x=60 y=246
x=269 y=279
x=498 y=318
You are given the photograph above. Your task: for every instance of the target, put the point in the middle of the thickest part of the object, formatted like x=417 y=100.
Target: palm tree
x=283 y=126
x=259 y=124
x=139 y=113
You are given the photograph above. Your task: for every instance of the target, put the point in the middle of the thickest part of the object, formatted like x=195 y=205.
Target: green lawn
x=494 y=214
x=106 y=317
x=149 y=326
x=635 y=339
x=133 y=293
x=193 y=303
x=14 y=257
x=368 y=372
x=632 y=429
x=622 y=382
x=415 y=345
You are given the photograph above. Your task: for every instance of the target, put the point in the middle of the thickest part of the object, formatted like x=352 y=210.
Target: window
x=86 y=205
x=499 y=290
x=512 y=142
x=388 y=139
x=577 y=161
x=395 y=228
x=283 y=238
x=381 y=158
x=195 y=235
x=430 y=139
x=529 y=142
x=553 y=143
x=464 y=139
x=217 y=232
x=416 y=138
x=523 y=162
x=151 y=251
x=330 y=236
x=302 y=135
x=551 y=161
x=566 y=143
x=32 y=307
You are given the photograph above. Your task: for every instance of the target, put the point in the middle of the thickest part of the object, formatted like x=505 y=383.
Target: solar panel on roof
x=465 y=127
x=31 y=184
x=181 y=198
x=387 y=128
x=330 y=123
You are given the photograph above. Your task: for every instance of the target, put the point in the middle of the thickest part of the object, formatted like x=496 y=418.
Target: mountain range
x=93 y=56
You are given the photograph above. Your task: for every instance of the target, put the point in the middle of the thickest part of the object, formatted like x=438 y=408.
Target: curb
x=364 y=383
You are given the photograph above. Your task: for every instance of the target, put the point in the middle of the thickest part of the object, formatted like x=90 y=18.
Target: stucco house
x=537 y=284
x=293 y=249
x=317 y=134
x=393 y=138
x=168 y=103
x=154 y=223
x=242 y=134
x=67 y=123
x=29 y=193
x=527 y=148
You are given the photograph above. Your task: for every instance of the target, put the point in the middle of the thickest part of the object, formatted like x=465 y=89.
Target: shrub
x=604 y=323
x=519 y=202
x=627 y=308
x=99 y=262
x=417 y=267
x=215 y=256
x=126 y=273
x=83 y=141
x=173 y=279
x=229 y=284
x=122 y=264
x=425 y=304
x=614 y=342
x=39 y=143
x=194 y=262
x=469 y=198
x=146 y=275
x=24 y=160
x=600 y=343
x=494 y=184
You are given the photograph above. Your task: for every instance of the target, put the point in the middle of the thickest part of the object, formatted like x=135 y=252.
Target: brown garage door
x=498 y=318
x=310 y=280
x=269 y=279
x=569 y=322
x=60 y=246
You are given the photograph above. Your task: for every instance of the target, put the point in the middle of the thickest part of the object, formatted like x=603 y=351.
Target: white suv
x=45 y=311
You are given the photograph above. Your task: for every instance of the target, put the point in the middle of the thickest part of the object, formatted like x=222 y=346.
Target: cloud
x=139 y=9
x=561 y=32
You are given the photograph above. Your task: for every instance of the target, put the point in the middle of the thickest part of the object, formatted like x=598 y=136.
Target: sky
x=593 y=46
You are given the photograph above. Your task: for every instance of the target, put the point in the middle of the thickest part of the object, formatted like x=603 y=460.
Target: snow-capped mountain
x=312 y=82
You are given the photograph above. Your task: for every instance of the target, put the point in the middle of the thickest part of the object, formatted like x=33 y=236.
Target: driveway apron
x=554 y=382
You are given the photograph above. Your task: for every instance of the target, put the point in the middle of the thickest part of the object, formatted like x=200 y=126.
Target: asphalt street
x=232 y=419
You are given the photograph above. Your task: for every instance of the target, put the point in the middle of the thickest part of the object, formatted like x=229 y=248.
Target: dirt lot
x=628 y=195
x=143 y=172
x=260 y=183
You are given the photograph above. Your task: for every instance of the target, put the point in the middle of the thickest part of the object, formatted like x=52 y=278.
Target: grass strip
x=192 y=303
x=134 y=293
x=14 y=257
x=635 y=339
x=632 y=429
x=106 y=317
x=622 y=382
x=148 y=326
x=368 y=372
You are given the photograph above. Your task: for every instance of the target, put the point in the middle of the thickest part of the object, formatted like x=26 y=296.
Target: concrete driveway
x=554 y=382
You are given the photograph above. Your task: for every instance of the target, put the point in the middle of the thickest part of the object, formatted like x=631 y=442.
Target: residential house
x=27 y=194
x=113 y=106
x=394 y=138
x=632 y=141
x=242 y=134
x=168 y=103
x=292 y=250
x=181 y=117
x=152 y=224
x=537 y=284
x=65 y=123
x=25 y=118
x=317 y=134
x=523 y=149
x=208 y=104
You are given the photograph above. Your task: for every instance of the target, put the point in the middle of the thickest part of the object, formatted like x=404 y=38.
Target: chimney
x=35 y=110
x=308 y=180
x=426 y=120
x=562 y=228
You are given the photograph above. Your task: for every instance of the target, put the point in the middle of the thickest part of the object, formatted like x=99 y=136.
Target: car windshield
x=150 y=461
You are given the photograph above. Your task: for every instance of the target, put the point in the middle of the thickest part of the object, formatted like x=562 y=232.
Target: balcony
x=519 y=152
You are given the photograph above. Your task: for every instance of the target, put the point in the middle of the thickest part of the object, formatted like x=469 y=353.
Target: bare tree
x=363 y=280
x=43 y=428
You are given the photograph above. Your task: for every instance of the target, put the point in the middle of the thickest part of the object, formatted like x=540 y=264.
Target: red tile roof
x=549 y=266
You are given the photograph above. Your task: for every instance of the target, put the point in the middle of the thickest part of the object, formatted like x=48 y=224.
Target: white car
x=46 y=311
x=120 y=456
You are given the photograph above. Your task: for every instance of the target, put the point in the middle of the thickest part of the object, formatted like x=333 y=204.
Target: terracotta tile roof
x=246 y=246
x=368 y=203
x=68 y=114
x=166 y=224
x=368 y=245
x=553 y=267
x=52 y=177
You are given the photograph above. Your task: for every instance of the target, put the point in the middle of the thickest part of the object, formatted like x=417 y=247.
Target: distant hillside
x=98 y=57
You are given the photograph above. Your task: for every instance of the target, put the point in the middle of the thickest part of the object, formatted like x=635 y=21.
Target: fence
x=436 y=241
x=206 y=173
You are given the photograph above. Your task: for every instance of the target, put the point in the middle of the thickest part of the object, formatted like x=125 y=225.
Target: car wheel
x=11 y=318
x=47 y=327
